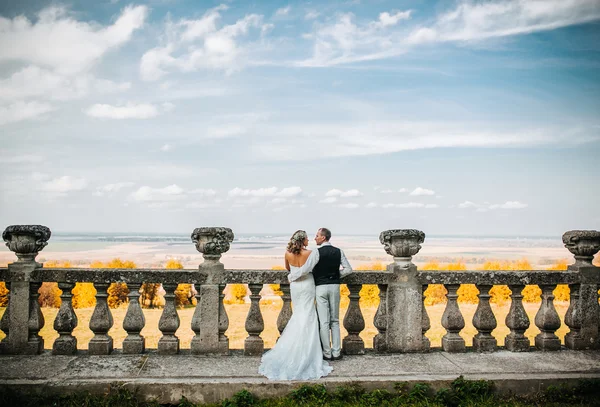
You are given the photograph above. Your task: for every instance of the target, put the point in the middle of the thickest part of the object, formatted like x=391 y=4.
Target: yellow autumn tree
x=562 y=291
x=117 y=292
x=3 y=295
x=435 y=293
x=49 y=292
x=275 y=287
x=183 y=293
x=369 y=294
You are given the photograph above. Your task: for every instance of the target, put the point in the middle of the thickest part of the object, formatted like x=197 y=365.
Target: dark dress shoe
x=327 y=359
x=337 y=357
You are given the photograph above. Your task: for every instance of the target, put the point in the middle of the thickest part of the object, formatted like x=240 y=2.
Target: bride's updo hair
x=297 y=242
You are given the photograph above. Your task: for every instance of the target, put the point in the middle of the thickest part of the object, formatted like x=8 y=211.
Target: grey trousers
x=328 y=310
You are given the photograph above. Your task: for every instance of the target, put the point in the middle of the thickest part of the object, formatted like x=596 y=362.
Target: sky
x=452 y=117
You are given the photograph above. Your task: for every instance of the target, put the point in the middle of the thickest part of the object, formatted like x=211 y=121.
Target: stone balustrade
x=401 y=319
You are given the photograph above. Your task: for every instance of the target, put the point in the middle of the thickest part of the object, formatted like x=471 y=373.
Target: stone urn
x=402 y=244
x=26 y=240
x=584 y=244
x=212 y=242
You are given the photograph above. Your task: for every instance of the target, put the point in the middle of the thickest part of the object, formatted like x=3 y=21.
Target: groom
x=327 y=275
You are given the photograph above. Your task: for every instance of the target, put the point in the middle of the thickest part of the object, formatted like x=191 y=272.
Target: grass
x=461 y=392
x=270 y=311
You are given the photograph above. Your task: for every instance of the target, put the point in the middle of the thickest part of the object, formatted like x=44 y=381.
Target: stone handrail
x=401 y=319
x=498 y=277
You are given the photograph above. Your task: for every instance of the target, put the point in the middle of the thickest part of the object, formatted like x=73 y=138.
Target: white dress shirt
x=311 y=262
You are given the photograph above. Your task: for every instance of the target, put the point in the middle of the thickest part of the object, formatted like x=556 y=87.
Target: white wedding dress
x=297 y=355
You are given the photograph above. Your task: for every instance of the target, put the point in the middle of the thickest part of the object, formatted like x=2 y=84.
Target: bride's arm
x=311 y=262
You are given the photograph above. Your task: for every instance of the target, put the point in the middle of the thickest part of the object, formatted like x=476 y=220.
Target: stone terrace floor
x=209 y=379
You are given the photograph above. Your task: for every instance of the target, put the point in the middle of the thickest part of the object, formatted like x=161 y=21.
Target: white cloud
x=386 y=191
x=350 y=205
x=471 y=21
x=467 y=204
x=192 y=45
x=486 y=206
x=149 y=194
x=290 y=192
x=410 y=205
x=406 y=205
x=111 y=188
x=166 y=147
x=509 y=205
x=371 y=205
x=128 y=111
x=334 y=192
x=311 y=15
x=432 y=206
x=64 y=184
x=59 y=41
x=346 y=41
x=351 y=193
x=328 y=200
x=403 y=190
x=360 y=138
x=386 y=19
x=32 y=81
x=284 y=11
x=418 y=191
x=19 y=111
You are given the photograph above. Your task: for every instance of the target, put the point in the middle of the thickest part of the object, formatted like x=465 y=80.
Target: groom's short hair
x=326 y=233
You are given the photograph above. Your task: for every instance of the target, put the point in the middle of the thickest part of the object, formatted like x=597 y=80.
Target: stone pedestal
x=584 y=244
x=24 y=317
x=404 y=292
x=210 y=314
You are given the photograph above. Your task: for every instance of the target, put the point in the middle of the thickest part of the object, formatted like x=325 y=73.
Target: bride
x=297 y=354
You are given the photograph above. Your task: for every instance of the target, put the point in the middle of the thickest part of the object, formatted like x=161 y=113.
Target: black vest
x=327 y=270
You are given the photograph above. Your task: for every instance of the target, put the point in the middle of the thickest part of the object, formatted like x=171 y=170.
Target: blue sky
x=454 y=117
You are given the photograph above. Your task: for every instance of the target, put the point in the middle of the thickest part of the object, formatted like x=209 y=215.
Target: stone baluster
x=425 y=322
x=584 y=244
x=101 y=322
x=453 y=322
x=26 y=241
x=223 y=322
x=254 y=345
x=5 y=323
x=547 y=320
x=196 y=326
x=517 y=321
x=354 y=323
x=65 y=322
x=404 y=291
x=380 y=321
x=573 y=339
x=36 y=322
x=286 y=310
x=134 y=322
x=212 y=242
x=485 y=322
x=168 y=324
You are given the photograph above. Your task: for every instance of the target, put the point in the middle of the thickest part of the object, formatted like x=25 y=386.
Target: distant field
x=237 y=316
